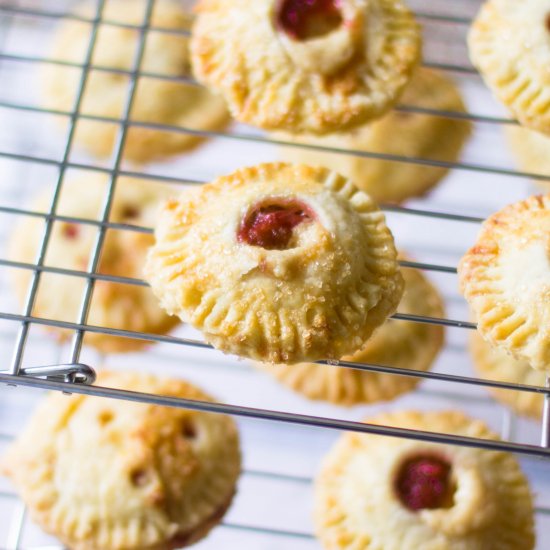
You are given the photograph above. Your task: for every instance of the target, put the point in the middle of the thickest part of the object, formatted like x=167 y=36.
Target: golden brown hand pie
x=400 y=344
x=158 y=100
x=107 y=474
x=123 y=306
x=496 y=364
x=388 y=493
x=509 y=43
x=403 y=134
x=505 y=277
x=532 y=152
x=278 y=263
x=315 y=67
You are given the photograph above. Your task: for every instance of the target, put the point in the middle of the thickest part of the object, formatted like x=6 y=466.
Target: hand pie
x=278 y=263
x=532 y=152
x=400 y=344
x=314 y=67
x=509 y=43
x=495 y=364
x=376 y=492
x=108 y=474
x=114 y=305
x=403 y=134
x=159 y=99
x=505 y=277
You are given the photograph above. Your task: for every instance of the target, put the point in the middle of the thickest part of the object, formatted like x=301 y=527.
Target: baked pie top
x=377 y=492
x=509 y=43
x=505 y=277
x=278 y=263
x=305 y=66
x=108 y=474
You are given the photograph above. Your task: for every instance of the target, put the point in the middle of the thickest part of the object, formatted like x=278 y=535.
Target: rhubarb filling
x=425 y=482
x=271 y=226
x=308 y=19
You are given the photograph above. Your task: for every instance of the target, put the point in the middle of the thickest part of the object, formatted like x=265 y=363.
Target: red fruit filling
x=270 y=226
x=424 y=482
x=306 y=19
x=70 y=231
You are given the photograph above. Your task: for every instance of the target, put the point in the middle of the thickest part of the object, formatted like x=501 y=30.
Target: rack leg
x=545 y=441
x=16 y=530
x=507 y=431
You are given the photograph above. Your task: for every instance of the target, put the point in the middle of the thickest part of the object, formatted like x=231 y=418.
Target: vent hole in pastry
x=308 y=19
x=547 y=21
x=70 y=230
x=270 y=225
x=105 y=417
x=139 y=477
x=425 y=482
x=188 y=429
x=130 y=212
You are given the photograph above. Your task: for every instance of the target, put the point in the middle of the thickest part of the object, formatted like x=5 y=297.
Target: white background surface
x=280 y=502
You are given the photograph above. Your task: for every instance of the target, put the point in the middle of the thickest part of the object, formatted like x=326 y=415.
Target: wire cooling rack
x=455 y=212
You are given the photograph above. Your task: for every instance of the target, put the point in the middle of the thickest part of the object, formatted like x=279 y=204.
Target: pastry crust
x=505 y=277
x=107 y=474
x=509 y=44
x=402 y=134
x=320 y=297
x=495 y=364
x=114 y=305
x=349 y=75
x=357 y=506
x=157 y=100
x=399 y=344
x=532 y=151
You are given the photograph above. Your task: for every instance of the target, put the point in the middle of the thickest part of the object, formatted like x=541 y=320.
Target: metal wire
x=545 y=436
x=16 y=527
x=33 y=290
x=140 y=282
x=15 y=533
x=17 y=376
x=119 y=149
x=446 y=67
x=291 y=418
x=470 y=167
x=16 y=10
x=241 y=526
x=404 y=108
x=342 y=364
x=191 y=81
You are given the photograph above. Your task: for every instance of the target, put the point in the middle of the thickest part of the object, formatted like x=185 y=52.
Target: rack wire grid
x=284 y=436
